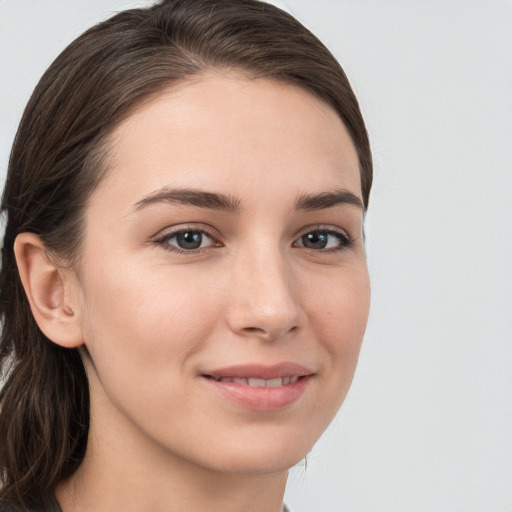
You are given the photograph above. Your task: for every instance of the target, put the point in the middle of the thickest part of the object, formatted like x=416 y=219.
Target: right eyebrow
x=193 y=197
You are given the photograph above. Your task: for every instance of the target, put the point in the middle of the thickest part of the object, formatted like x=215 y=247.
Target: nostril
x=253 y=329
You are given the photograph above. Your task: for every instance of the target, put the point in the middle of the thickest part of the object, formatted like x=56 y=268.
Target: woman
x=184 y=288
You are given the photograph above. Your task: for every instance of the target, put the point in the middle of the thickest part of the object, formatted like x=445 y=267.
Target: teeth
x=274 y=383
x=260 y=383
x=256 y=383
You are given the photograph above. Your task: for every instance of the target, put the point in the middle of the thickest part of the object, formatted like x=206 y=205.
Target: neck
x=107 y=488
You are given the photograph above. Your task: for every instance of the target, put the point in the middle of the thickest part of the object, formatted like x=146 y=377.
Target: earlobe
x=47 y=288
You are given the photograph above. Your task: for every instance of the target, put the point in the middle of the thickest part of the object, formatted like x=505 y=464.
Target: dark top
x=54 y=507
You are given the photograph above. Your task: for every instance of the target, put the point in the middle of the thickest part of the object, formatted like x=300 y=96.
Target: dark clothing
x=54 y=507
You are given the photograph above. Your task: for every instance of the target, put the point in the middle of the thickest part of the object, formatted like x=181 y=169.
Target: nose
x=264 y=297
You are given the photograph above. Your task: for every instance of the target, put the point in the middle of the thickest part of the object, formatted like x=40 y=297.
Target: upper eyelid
x=323 y=227
x=180 y=228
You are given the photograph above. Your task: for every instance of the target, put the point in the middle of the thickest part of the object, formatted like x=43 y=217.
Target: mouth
x=260 y=388
x=256 y=382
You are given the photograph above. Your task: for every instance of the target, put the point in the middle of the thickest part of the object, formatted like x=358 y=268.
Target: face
x=223 y=285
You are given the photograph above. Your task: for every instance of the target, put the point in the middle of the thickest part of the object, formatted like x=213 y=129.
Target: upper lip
x=258 y=371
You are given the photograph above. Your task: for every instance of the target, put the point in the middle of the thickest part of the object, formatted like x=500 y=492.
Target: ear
x=48 y=288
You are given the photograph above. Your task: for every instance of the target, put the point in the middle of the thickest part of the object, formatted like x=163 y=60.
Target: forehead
x=230 y=132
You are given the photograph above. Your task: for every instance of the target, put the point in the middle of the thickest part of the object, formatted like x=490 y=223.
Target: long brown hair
x=59 y=157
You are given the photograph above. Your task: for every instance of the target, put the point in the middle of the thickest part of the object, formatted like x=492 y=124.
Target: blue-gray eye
x=189 y=240
x=323 y=240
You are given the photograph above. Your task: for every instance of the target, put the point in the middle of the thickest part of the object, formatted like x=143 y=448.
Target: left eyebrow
x=192 y=197
x=327 y=200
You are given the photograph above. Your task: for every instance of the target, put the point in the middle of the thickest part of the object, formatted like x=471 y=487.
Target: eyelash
x=344 y=240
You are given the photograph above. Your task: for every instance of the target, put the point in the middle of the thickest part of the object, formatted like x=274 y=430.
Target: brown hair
x=57 y=160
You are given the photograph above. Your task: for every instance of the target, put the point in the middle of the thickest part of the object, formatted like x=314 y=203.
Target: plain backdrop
x=427 y=425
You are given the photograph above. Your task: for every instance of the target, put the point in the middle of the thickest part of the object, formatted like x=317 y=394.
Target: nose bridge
x=264 y=302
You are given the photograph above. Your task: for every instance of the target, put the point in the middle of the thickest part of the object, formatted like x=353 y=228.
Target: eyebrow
x=327 y=200
x=210 y=200
x=227 y=203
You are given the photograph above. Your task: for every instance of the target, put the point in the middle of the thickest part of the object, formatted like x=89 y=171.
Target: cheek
x=338 y=313
x=144 y=333
x=138 y=322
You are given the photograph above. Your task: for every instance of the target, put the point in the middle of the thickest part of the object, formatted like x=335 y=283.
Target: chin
x=264 y=452
x=258 y=463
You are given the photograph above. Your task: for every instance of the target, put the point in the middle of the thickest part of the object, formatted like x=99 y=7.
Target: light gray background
x=427 y=425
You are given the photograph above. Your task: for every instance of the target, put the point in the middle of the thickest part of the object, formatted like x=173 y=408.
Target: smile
x=260 y=388
x=260 y=383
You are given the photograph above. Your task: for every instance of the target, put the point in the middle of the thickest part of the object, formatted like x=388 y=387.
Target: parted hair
x=59 y=156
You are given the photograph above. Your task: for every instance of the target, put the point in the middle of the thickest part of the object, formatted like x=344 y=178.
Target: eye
x=186 y=240
x=324 y=239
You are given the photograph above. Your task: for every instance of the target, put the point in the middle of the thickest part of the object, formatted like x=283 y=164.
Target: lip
x=260 y=371
x=260 y=398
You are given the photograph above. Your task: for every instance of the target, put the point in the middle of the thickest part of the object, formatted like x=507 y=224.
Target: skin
x=152 y=321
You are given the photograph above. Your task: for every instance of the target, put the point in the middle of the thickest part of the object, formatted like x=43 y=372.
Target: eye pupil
x=189 y=239
x=316 y=240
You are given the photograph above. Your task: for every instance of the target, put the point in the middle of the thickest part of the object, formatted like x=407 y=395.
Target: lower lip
x=260 y=399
